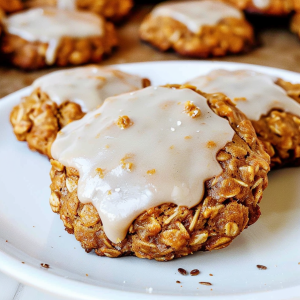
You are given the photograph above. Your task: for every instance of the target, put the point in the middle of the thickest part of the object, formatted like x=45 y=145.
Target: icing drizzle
x=195 y=14
x=87 y=86
x=49 y=25
x=143 y=149
x=255 y=94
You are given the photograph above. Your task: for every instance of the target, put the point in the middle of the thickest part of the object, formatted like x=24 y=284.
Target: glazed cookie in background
x=271 y=104
x=64 y=96
x=268 y=7
x=180 y=172
x=10 y=6
x=114 y=10
x=197 y=28
x=43 y=37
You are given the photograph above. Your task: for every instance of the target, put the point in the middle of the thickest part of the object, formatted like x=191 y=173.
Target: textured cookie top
x=255 y=94
x=143 y=149
x=195 y=14
x=87 y=86
x=49 y=25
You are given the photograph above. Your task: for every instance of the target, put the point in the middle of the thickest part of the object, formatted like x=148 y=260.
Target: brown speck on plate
x=195 y=272
x=6 y=241
x=182 y=271
x=23 y=262
x=261 y=267
x=46 y=266
x=211 y=275
x=205 y=283
x=86 y=274
x=178 y=281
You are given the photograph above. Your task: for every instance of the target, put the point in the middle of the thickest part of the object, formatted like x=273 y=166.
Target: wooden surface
x=278 y=48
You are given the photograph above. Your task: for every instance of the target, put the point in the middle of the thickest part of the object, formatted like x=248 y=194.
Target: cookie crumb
x=182 y=271
x=86 y=274
x=177 y=281
x=7 y=242
x=195 y=272
x=261 y=267
x=205 y=283
x=211 y=275
x=46 y=266
x=23 y=262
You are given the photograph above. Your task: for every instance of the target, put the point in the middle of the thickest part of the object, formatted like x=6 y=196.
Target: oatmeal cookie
x=198 y=28
x=114 y=10
x=267 y=7
x=10 y=6
x=160 y=201
x=65 y=96
x=271 y=104
x=56 y=37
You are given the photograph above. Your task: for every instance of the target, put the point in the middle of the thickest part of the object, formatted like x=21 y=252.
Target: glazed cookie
x=64 y=96
x=10 y=6
x=114 y=10
x=197 y=28
x=47 y=36
x=268 y=7
x=271 y=104
x=180 y=172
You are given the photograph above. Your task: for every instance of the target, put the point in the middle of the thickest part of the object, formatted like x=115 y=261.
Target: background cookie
x=197 y=28
x=114 y=10
x=65 y=96
x=271 y=104
x=268 y=7
x=158 y=229
x=10 y=6
x=56 y=37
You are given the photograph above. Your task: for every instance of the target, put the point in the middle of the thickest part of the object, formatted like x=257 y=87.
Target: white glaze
x=49 y=25
x=66 y=4
x=195 y=14
x=255 y=94
x=87 y=86
x=261 y=4
x=156 y=140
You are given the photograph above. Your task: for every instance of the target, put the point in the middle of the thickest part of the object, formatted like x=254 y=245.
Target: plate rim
x=68 y=288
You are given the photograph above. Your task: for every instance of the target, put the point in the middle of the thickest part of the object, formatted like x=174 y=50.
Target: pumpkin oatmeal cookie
x=44 y=37
x=114 y=10
x=65 y=96
x=198 y=28
x=148 y=191
x=271 y=104
x=10 y=6
x=267 y=7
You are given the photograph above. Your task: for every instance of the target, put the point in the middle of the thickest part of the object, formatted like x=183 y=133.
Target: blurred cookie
x=114 y=10
x=270 y=103
x=10 y=6
x=197 y=28
x=43 y=37
x=64 y=96
x=268 y=7
x=159 y=173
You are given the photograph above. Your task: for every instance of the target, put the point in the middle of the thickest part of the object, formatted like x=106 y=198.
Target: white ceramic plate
x=35 y=235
